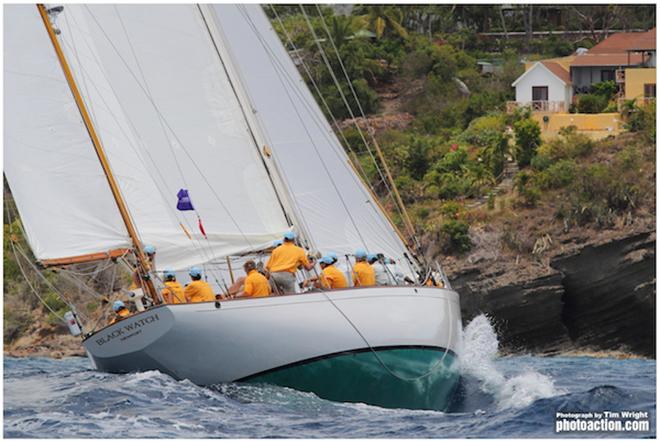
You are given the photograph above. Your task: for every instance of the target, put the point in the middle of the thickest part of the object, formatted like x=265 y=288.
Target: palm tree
x=383 y=17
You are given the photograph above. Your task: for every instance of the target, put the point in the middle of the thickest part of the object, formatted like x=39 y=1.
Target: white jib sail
x=55 y=177
x=337 y=210
x=168 y=119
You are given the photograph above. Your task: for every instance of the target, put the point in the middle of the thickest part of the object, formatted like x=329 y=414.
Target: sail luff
x=96 y=142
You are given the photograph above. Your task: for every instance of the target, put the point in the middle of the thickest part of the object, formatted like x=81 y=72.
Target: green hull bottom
x=415 y=378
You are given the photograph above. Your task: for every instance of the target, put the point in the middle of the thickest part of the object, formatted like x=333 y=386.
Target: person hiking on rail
x=363 y=273
x=283 y=263
x=198 y=290
x=173 y=292
x=382 y=275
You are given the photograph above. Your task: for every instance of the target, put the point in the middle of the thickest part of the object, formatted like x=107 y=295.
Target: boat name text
x=131 y=329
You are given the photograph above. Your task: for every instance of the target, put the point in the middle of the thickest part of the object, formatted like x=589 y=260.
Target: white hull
x=208 y=345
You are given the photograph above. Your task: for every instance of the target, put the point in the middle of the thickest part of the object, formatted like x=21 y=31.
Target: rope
x=429 y=372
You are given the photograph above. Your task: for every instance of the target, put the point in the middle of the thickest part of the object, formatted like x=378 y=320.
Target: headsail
x=336 y=207
x=168 y=119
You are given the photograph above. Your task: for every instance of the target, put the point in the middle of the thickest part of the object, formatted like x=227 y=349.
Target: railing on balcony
x=537 y=106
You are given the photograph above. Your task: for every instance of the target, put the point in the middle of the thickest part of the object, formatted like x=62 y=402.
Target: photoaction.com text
x=602 y=421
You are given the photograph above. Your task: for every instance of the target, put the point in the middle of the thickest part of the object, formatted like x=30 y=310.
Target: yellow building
x=639 y=84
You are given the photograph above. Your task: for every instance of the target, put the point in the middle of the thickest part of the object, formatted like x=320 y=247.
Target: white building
x=546 y=86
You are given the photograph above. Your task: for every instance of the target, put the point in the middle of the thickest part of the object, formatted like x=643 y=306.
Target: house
x=546 y=86
x=549 y=87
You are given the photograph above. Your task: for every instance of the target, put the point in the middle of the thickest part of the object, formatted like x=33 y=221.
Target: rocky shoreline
x=594 y=298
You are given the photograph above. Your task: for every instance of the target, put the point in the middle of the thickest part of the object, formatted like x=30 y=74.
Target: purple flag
x=184 y=202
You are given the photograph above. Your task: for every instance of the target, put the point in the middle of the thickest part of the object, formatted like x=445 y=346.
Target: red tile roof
x=625 y=41
x=621 y=59
x=558 y=70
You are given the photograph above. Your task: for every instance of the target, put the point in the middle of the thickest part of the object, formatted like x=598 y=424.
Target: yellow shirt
x=333 y=278
x=175 y=291
x=121 y=314
x=199 y=291
x=256 y=285
x=363 y=274
x=287 y=258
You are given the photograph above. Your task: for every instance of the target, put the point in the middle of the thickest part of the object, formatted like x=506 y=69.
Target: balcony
x=537 y=106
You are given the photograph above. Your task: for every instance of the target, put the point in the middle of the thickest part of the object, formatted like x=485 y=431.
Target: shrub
x=591 y=103
x=528 y=138
x=605 y=89
x=569 y=144
x=641 y=119
x=454 y=236
x=559 y=174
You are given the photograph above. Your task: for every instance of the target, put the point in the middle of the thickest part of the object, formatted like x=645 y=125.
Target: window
x=649 y=90
x=607 y=75
x=539 y=93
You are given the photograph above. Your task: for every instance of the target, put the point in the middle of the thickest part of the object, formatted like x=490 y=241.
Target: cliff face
x=600 y=296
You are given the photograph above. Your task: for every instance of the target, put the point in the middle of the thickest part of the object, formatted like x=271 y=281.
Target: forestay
x=168 y=119
x=336 y=208
x=55 y=176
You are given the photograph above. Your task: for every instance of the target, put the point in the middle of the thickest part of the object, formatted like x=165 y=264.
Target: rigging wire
x=365 y=182
x=401 y=209
x=318 y=153
x=344 y=99
x=282 y=73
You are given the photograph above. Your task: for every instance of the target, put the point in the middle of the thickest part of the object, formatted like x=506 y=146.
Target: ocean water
x=499 y=397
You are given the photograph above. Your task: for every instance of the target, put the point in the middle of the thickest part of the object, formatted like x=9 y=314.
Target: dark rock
x=599 y=297
x=609 y=299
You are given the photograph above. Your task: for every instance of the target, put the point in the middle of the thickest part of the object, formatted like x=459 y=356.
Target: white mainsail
x=336 y=208
x=55 y=176
x=168 y=119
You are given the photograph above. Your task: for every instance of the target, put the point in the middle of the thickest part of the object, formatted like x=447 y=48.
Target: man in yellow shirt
x=198 y=290
x=255 y=284
x=331 y=277
x=363 y=273
x=173 y=292
x=283 y=263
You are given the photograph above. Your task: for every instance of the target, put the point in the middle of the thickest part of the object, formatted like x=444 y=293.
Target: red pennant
x=201 y=227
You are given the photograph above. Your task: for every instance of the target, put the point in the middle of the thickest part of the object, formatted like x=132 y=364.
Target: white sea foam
x=478 y=360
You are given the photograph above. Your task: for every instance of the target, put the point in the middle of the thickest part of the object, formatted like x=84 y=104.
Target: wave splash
x=477 y=364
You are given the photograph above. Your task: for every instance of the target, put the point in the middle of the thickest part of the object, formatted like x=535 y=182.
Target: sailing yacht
x=112 y=110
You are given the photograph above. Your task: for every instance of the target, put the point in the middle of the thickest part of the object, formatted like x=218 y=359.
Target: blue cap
x=149 y=249
x=360 y=253
x=290 y=236
x=277 y=242
x=332 y=255
x=327 y=259
x=195 y=271
x=169 y=274
x=118 y=305
x=372 y=257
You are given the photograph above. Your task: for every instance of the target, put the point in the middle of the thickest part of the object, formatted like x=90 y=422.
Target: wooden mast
x=143 y=264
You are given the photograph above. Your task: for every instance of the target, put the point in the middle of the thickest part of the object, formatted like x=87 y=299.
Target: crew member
x=198 y=290
x=255 y=284
x=331 y=277
x=173 y=292
x=382 y=275
x=120 y=310
x=283 y=263
x=150 y=252
x=363 y=273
